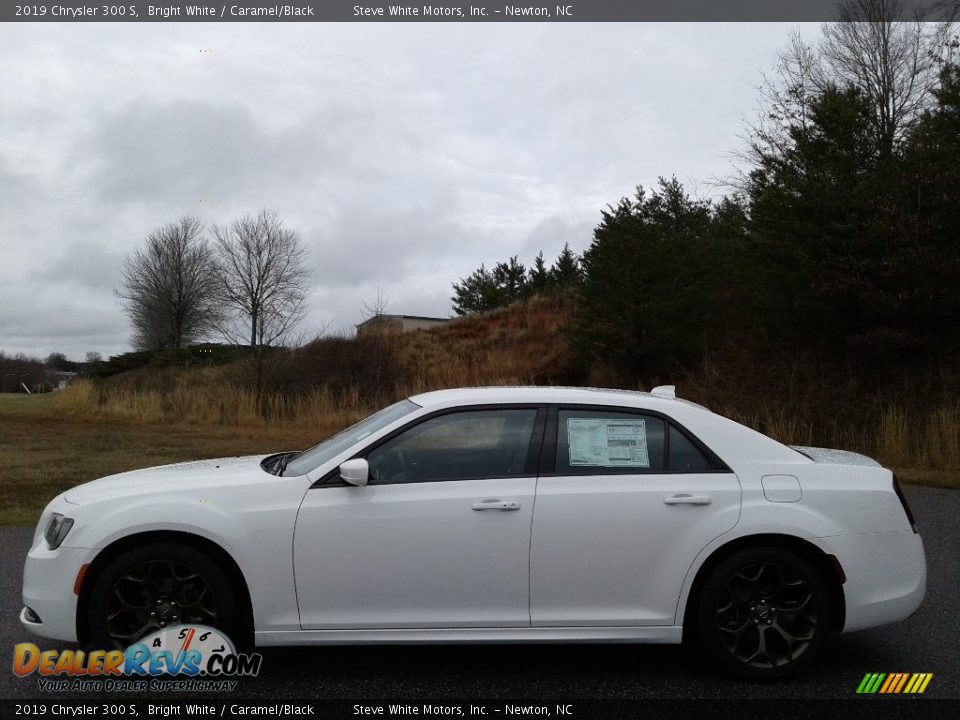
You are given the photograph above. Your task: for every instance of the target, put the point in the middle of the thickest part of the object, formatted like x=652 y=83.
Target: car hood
x=196 y=475
x=830 y=456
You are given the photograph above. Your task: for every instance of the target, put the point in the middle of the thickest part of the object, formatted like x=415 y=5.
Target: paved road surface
x=928 y=642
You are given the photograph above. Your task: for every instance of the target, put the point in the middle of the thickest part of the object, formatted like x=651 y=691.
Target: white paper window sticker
x=607 y=442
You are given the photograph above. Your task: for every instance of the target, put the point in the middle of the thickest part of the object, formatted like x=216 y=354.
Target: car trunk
x=830 y=456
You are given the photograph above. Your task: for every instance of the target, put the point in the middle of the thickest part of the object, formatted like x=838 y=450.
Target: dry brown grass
x=898 y=439
x=51 y=442
x=522 y=345
x=219 y=404
x=44 y=451
x=517 y=345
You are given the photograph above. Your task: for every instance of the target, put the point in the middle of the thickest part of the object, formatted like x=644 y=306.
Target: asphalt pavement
x=927 y=642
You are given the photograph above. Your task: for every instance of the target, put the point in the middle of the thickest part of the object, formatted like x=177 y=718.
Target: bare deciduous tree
x=262 y=277
x=378 y=307
x=168 y=288
x=895 y=63
x=785 y=97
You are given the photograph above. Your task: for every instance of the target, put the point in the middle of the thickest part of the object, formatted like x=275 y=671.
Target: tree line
x=246 y=281
x=510 y=281
x=838 y=238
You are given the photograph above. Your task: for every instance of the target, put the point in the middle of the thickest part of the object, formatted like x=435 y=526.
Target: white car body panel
x=886 y=575
x=668 y=635
x=607 y=550
x=408 y=563
x=433 y=561
x=232 y=502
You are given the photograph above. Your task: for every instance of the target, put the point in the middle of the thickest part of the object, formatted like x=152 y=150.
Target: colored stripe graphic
x=894 y=683
x=892 y=679
x=870 y=683
x=903 y=681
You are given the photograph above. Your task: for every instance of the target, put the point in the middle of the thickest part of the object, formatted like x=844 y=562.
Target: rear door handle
x=684 y=499
x=496 y=505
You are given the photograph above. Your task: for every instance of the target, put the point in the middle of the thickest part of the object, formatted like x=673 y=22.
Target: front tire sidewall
x=710 y=637
x=217 y=580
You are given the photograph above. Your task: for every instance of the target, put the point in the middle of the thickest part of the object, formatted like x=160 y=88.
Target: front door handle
x=684 y=499
x=496 y=505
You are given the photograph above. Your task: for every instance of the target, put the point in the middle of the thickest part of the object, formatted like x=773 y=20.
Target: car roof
x=542 y=394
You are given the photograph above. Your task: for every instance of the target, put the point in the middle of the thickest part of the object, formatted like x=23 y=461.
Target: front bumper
x=48 y=581
x=886 y=576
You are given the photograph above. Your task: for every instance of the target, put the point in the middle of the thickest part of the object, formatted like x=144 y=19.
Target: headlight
x=57 y=529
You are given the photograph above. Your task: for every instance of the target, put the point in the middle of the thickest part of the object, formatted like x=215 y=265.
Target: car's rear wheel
x=764 y=613
x=151 y=587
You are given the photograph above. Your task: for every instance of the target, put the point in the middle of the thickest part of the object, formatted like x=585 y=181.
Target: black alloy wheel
x=155 y=594
x=764 y=613
x=152 y=587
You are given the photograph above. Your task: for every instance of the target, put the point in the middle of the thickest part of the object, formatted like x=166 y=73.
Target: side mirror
x=355 y=472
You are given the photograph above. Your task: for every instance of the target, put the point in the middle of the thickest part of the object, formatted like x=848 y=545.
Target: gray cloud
x=405 y=154
x=63 y=321
x=88 y=264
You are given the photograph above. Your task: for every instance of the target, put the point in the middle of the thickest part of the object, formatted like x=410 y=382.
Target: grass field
x=44 y=451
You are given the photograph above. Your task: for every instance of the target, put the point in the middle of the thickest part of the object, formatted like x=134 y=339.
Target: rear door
x=625 y=501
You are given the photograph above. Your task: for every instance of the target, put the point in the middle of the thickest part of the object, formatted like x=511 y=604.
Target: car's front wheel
x=764 y=613
x=148 y=588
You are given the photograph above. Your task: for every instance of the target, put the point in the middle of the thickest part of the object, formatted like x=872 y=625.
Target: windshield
x=331 y=447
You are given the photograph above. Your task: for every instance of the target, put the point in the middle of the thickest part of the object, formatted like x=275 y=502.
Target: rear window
x=601 y=442
x=592 y=442
x=685 y=457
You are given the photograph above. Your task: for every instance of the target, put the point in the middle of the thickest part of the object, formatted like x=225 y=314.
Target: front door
x=439 y=538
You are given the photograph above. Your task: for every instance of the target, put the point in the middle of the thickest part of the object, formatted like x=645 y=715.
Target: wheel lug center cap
x=763 y=612
x=165 y=612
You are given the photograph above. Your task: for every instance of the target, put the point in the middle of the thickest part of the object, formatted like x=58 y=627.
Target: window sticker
x=607 y=443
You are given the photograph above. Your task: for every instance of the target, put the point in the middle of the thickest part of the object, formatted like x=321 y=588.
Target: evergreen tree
x=485 y=290
x=923 y=269
x=510 y=279
x=651 y=279
x=539 y=280
x=820 y=231
x=475 y=293
x=566 y=272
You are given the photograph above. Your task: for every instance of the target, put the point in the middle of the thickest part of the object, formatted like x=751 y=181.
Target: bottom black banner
x=873 y=708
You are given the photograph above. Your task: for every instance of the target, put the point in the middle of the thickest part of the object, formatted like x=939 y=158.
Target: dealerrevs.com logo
x=180 y=658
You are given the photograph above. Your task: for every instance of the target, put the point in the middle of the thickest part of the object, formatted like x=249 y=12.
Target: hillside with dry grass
x=332 y=382
x=334 y=379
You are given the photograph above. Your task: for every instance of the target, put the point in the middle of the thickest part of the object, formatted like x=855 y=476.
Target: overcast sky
x=406 y=155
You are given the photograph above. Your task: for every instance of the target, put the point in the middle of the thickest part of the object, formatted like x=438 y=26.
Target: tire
x=158 y=583
x=764 y=613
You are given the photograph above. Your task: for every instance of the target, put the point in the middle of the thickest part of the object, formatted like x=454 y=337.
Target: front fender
x=257 y=533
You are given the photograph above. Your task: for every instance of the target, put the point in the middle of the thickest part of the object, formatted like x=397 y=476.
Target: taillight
x=906 y=506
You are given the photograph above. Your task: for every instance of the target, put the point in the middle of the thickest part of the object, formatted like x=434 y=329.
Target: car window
x=594 y=442
x=685 y=457
x=331 y=447
x=466 y=445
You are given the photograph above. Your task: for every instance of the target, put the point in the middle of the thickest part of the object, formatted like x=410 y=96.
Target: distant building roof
x=402 y=317
x=380 y=324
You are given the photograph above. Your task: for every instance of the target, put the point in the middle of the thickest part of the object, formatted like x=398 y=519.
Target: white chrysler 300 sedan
x=493 y=515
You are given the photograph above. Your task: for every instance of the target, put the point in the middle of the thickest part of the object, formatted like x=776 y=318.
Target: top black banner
x=476 y=11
